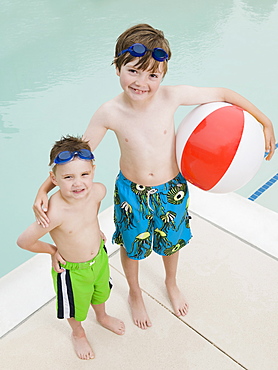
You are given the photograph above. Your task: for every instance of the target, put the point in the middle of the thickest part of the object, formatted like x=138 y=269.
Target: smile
x=139 y=92
x=78 y=191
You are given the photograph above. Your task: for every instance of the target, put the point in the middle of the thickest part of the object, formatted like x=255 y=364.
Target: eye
x=132 y=70
x=85 y=174
x=68 y=177
x=153 y=75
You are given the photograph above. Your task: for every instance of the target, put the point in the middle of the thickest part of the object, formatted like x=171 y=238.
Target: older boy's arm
x=200 y=95
x=232 y=97
x=96 y=128
x=40 y=206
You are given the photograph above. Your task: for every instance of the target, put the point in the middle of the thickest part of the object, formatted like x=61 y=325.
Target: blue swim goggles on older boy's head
x=138 y=50
x=67 y=156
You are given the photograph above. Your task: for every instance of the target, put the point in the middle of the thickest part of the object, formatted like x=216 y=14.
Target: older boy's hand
x=56 y=259
x=269 y=141
x=40 y=209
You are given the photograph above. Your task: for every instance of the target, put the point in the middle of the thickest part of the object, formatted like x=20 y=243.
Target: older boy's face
x=74 y=178
x=139 y=84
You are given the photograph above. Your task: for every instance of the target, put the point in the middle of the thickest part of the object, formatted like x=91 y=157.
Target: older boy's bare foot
x=138 y=310
x=82 y=347
x=113 y=324
x=177 y=300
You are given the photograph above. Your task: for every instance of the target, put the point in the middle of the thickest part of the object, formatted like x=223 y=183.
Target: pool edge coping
x=246 y=220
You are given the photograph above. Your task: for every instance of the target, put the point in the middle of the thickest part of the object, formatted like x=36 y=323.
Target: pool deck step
x=231 y=289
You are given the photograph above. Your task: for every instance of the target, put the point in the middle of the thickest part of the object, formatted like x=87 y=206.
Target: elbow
x=20 y=243
x=225 y=94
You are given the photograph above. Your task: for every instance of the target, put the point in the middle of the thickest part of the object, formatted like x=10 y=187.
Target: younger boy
x=151 y=197
x=83 y=277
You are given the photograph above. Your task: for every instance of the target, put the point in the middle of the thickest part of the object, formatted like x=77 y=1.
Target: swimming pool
x=55 y=72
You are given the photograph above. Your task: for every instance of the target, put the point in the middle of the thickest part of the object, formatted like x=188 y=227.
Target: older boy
x=142 y=117
x=83 y=277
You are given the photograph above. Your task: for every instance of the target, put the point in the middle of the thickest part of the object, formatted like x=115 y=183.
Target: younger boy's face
x=74 y=178
x=139 y=84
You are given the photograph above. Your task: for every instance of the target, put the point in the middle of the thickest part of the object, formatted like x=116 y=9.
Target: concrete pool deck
x=231 y=287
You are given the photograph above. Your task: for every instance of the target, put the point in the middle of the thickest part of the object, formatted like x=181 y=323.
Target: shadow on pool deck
x=231 y=289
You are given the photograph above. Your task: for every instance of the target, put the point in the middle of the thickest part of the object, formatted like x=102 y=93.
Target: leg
x=79 y=340
x=138 y=310
x=177 y=300
x=108 y=322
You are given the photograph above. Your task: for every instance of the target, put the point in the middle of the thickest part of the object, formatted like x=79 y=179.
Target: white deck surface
x=231 y=287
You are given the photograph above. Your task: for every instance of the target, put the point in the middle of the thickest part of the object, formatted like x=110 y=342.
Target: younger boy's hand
x=40 y=209
x=103 y=237
x=56 y=259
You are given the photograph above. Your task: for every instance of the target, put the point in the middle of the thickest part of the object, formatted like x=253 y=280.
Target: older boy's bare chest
x=146 y=124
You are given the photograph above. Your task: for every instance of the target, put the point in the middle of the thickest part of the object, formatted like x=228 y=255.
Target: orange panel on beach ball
x=219 y=147
x=211 y=147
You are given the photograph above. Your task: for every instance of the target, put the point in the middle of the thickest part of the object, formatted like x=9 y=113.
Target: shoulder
x=171 y=95
x=174 y=90
x=107 y=111
x=188 y=95
x=55 y=209
x=99 y=190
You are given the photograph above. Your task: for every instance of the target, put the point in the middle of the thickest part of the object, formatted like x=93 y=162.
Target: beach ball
x=219 y=147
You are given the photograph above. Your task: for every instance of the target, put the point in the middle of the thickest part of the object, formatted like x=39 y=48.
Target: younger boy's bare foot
x=82 y=347
x=177 y=300
x=138 y=311
x=111 y=323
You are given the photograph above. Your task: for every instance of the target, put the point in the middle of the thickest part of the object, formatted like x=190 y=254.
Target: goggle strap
x=155 y=51
x=84 y=154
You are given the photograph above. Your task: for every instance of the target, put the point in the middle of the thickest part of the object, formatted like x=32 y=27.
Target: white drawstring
x=150 y=192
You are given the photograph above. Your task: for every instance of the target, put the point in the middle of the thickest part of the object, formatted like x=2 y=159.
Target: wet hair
x=148 y=36
x=70 y=143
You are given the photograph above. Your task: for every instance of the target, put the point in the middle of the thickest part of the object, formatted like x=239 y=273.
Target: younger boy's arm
x=29 y=240
x=189 y=95
x=56 y=259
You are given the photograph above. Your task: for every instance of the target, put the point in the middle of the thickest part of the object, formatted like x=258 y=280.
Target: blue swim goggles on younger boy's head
x=67 y=156
x=138 y=50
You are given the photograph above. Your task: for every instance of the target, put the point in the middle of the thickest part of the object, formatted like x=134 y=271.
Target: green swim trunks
x=82 y=284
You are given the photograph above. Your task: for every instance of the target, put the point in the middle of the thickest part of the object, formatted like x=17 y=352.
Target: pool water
x=55 y=70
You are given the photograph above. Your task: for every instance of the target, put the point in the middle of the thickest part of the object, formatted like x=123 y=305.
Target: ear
x=117 y=71
x=53 y=178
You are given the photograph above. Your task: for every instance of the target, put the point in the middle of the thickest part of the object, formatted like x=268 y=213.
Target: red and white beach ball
x=220 y=147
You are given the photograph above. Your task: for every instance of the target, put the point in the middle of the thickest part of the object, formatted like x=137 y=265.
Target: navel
x=126 y=140
x=165 y=132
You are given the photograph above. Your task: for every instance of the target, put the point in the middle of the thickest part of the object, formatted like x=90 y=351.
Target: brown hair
x=148 y=36
x=70 y=143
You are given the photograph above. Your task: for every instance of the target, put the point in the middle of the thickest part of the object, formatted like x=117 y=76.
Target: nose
x=140 y=79
x=77 y=181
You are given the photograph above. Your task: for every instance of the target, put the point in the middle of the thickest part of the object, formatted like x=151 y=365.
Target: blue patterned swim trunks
x=151 y=217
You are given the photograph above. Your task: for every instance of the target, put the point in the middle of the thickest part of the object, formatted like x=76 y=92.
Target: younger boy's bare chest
x=77 y=219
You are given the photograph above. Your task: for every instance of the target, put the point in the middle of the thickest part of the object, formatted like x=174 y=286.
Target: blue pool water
x=55 y=69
